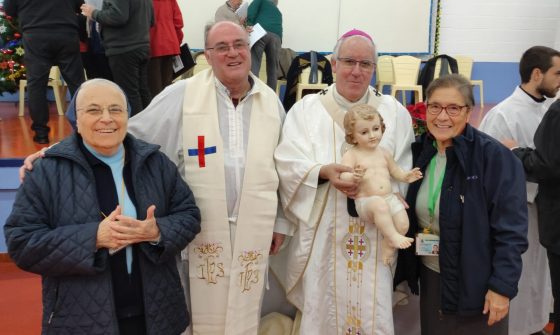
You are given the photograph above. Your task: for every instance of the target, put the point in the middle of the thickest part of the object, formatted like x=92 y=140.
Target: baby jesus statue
x=373 y=168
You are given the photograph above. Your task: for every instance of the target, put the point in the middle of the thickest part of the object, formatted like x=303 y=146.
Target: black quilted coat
x=52 y=232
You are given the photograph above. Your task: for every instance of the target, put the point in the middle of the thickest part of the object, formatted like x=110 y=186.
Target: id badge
x=427 y=245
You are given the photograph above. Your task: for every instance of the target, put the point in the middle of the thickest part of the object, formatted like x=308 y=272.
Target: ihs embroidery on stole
x=250 y=275
x=356 y=250
x=209 y=267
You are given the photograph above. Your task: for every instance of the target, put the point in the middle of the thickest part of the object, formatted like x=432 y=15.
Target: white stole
x=226 y=282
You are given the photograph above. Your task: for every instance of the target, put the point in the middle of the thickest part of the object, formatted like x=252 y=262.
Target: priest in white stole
x=517 y=118
x=221 y=128
x=335 y=275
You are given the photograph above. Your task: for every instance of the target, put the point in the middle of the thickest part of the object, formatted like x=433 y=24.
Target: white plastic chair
x=303 y=82
x=384 y=72
x=59 y=90
x=465 y=65
x=201 y=63
x=405 y=73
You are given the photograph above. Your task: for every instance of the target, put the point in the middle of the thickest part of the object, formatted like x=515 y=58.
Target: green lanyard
x=433 y=194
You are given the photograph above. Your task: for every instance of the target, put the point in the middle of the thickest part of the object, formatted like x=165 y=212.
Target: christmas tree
x=11 y=54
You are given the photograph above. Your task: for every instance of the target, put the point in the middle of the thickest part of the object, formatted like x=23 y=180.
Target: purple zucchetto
x=356 y=32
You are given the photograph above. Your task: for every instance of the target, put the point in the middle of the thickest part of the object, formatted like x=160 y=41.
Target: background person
x=267 y=14
x=94 y=59
x=166 y=36
x=125 y=26
x=542 y=165
x=228 y=12
x=100 y=190
x=473 y=197
x=50 y=34
x=517 y=118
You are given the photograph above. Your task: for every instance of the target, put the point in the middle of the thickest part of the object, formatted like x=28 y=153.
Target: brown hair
x=537 y=57
x=363 y=112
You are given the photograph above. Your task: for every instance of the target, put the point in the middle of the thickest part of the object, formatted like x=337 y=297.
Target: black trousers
x=434 y=322
x=130 y=72
x=160 y=73
x=42 y=51
x=135 y=325
x=96 y=66
x=554 y=265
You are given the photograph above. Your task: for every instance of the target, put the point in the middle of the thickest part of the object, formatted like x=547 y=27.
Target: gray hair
x=210 y=25
x=98 y=82
x=101 y=81
x=343 y=39
x=456 y=81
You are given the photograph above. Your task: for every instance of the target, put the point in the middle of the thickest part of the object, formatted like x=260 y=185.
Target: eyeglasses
x=223 y=48
x=365 y=65
x=452 y=110
x=114 y=110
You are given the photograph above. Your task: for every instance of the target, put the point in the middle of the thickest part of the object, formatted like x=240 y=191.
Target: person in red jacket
x=165 y=39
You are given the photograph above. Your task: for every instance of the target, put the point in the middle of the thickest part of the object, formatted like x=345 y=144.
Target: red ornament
x=17 y=35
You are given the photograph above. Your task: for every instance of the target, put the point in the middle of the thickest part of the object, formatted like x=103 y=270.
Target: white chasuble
x=227 y=281
x=333 y=272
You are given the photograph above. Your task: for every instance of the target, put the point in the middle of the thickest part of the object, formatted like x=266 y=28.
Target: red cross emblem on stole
x=201 y=151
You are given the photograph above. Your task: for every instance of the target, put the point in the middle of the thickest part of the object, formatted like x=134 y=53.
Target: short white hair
x=100 y=82
x=344 y=39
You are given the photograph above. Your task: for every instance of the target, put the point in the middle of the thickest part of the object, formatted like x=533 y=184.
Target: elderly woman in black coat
x=102 y=218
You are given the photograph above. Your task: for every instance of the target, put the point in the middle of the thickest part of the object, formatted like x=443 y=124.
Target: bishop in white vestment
x=335 y=273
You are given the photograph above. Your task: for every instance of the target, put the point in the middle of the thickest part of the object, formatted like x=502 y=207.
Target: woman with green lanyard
x=468 y=217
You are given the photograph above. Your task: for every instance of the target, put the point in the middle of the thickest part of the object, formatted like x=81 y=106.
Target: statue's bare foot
x=399 y=241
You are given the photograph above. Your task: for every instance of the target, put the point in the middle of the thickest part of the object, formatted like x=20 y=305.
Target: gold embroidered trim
x=210 y=268
x=250 y=275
